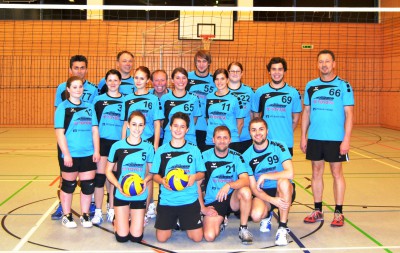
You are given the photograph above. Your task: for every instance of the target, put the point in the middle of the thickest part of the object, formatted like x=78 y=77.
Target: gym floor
x=29 y=180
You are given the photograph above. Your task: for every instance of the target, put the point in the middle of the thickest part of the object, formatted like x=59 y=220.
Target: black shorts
x=80 y=164
x=223 y=208
x=188 y=215
x=139 y=204
x=272 y=192
x=328 y=151
x=201 y=140
x=105 y=146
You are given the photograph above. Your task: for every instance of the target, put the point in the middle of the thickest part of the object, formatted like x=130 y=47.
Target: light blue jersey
x=276 y=107
x=245 y=95
x=131 y=158
x=223 y=111
x=266 y=161
x=188 y=158
x=149 y=105
x=89 y=92
x=188 y=104
x=327 y=101
x=127 y=86
x=108 y=112
x=77 y=121
x=221 y=171
x=201 y=87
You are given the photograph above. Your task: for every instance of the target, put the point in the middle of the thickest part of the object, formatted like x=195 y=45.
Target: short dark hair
x=220 y=71
x=179 y=70
x=77 y=57
x=220 y=129
x=258 y=120
x=326 y=51
x=275 y=60
x=204 y=55
x=113 y=72
x=180 y=115
x=124 y=52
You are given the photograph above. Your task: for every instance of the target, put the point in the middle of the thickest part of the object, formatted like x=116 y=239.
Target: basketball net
x=206 y=41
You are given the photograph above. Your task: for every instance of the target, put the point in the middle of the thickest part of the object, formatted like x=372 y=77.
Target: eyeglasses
x=235 y=71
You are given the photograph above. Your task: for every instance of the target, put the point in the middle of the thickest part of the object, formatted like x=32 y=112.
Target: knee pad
x=121 y=238
x=68 y=186
x=87 y=186
x=135 y=239
x=100 y=180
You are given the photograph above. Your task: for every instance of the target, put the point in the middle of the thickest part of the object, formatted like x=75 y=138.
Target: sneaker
x=315 y=216
x=98 y=217
x=282 y=236
x=68 y=222
x=265 y=224
x=151 y=211
x=338 y=220
x=146 y=220
x=92 y=209
x=58 y=213
x=245 y=236
x=85 y=221
x=110 y=215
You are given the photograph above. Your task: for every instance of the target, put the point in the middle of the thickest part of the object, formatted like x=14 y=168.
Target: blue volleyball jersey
x=89 y=92
x=77 y=121
x=188 y=158
x=149 y=105
x=131 y=158
x=268 y=161
x=127 y=86
x=108 y=112
x=221 y=171
x=201 y=87
x=188 y=104
x=223 y=111
x=327 y=101
x=277 y=107
x=245 y=95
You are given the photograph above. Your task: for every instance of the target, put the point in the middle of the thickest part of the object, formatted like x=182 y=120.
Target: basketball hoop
x=206 y=40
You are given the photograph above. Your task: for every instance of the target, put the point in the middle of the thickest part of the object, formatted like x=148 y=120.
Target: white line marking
x=376 y=160
x=35 y=227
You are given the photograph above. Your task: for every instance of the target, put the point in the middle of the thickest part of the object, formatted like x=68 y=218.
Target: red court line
x=54 y=181
x=374 y=142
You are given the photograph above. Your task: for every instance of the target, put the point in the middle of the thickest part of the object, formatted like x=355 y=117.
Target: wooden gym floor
x=29 y=179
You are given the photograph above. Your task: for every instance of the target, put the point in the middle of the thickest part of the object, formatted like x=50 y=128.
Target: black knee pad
x=87 y=186
x=68 y=186
x=100 y=180
x=121 y=238
x=135 y=239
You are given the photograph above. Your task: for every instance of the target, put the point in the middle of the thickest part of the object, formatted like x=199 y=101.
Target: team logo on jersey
x=105 y=103
x=72 y=110
x=315 y=88
x=125 y=151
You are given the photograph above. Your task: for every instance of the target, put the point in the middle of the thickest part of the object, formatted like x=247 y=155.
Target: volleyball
x=177 y=179
x=132 y=184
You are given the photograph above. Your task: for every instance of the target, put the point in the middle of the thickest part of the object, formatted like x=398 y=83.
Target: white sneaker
x=68 y=222
x=265 y=224
x=245 y=236
x=85 y=221
x=282 y=237
x=98 y=217
x=110 y=215
x=151 y=211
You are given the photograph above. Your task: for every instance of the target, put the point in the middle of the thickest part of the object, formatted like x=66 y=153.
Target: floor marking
x=348 y=221
x=35 y=227
x=15 y=193
x=25 y=180
x=376 y=160
x=54 y=181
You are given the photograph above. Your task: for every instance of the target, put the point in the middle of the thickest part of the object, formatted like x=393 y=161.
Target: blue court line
x=348 y=221
x=19 y=190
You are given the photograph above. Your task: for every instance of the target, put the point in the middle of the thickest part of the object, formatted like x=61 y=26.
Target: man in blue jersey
x=124 y=65
x=77 y=67
x=201 y=83
x=159 y=79
x=328 y=120
x=227 y=187
x=270 y=171
x=278 y=103
x=182 y=206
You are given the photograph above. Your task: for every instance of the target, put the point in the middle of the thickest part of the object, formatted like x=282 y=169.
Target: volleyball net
x=38 y=40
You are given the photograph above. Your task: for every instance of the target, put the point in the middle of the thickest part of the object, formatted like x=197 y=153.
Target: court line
x=54 y=181
x=294 y=249
x=376 y=160
x=35 y=227
x=15 y=193
x=347 y=220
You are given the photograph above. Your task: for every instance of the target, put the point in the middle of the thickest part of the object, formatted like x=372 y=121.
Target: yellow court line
x=25 y=180
x=376 y=160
